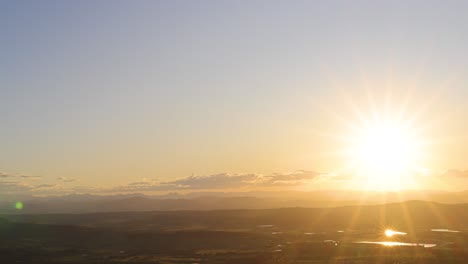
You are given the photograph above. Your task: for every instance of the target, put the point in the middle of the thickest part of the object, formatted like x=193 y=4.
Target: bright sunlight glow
x=385 y=148
x=390 y=233
x=385 y=154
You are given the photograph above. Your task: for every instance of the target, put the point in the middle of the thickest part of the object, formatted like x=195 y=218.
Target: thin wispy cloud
x=10 y=187
x=30 y=177
x=19 y=176
x=215 y=181
x=12 y=184
x=45 y=186
x=221 y=181
x=142 y=183
x=64 y=179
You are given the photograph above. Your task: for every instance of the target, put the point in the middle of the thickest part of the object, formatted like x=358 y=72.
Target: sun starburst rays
x=383 y=145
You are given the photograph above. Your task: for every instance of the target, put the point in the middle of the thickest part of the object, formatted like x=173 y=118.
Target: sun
x=385 y=152
x=384 y=141
x=385 y=147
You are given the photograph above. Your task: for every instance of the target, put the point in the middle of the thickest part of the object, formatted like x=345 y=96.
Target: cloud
x=220 y=181
x=30 y=177
x=226 y=181
x=8 y=187
x=45 y=186
x=205 y=182
x=63 y=179
x=142 y=183
x=5 y=175
x=294 y=178
x=19 y=176
x=215 y=181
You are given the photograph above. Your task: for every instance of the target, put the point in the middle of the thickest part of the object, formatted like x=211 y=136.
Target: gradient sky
x=105 y=93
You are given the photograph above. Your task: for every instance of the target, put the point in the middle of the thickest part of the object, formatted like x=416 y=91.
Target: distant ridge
x=89 y=203
x=403 y=216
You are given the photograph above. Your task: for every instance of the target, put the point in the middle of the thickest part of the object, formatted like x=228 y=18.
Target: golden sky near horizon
x=162 y=96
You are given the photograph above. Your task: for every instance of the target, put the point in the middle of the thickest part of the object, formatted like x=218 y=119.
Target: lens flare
x=19 y=205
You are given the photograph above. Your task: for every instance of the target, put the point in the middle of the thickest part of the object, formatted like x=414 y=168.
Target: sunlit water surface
x=393 y=243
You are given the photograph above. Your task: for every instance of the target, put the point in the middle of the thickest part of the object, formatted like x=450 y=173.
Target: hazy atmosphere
x=147 y=96
x=234 y=132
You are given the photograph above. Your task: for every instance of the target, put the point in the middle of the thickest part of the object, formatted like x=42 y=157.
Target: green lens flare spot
x=19 y=205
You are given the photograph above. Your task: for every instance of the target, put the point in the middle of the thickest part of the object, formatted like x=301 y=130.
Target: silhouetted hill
x=142 y=203
x=408 y=215
x=214 y=201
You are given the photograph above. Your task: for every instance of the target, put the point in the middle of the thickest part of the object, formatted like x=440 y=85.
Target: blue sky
x=110 y=92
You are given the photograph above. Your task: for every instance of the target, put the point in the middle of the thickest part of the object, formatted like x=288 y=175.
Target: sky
x=103 y=96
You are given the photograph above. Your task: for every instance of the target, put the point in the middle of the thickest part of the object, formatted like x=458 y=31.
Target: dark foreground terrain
x=291 y=235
